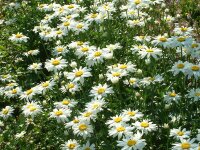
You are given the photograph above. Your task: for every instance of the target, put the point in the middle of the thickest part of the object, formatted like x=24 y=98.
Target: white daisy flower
x=31 y=109
x=55 y=64
x=79 y=74
x=6 y=112
x=70 y=145
x=178 y=133
x=101 y=91
x=145 y=126
x=132 y=142
x=19 y=37
x=61 y=115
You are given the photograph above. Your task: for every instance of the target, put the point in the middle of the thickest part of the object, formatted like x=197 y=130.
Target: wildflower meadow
x=99 y=75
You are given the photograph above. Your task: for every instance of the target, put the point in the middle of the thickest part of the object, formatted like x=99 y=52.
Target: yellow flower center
x=14 y=91
x=84 y=49
x=71 y=6
x=149 y=50
x=180 y=66
x=79 y=26
x=120 y=129
x=172 y=94
x=197 y=94
x=180 y=133
x=97 y=54
x=181 y=39
x=66 y=24
x=194 y=45
x=116 y=74
x=58 y=113
x=18 y=35
x=137 y=2
x=79 y=43
x=144 y=124
x=118 y=119
x=82 y=127
x=123 y=66
x=71 y=146
x=184 y=29
x=131 y=113
x=60 y=49
x=5 y=111
x=28 y=92
x=65 y=102
x=55 y=62
x=59 y=32
x=75 y=121
x=87 y=148
x=10 y=84
x=132 y=81
x=195 y=68
x=87 y=114
x=94 y=15
x=32 y=108
x=131 y=143
x=95 y=106
x=135 y=21
x=79 y=73
x=185 y=145
x=101 y=90
x=68 y=17
x=163 y=39
x=45 y=84
x=70 y=85
x=61 y=10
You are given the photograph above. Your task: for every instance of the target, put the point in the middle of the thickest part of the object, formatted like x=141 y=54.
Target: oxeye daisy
x=120 y=130
x=118 y=119
x=96 y=105
x=70 y=145
x=13 y=92
x=72 y=87
x=88 y=115
x=194 y=94
x=171 y=97
x=132 y=142
x=179 y=67
x=127 y=67
x=6 y=112
x=79 y=74
x=19 y=37
x=32 y=52
x=145 y=126
x=60 y=114
x=185 y=144
x=31 y=109
x=150 y=52
x=55 y=64
x=83 y=129
x=101 y=91
x=66 y=103
x=161 y=40
x=178 y=133
x=28 y=94
x=72 y=123
x=133 y=82
x=84 y=50
x=115 y=74
x=96 y=56
x=132 y=114
x=77 y=44
x=47 y=85
x=87 y=146
x=60 y=50
x=35 y=67
x=193 y=70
